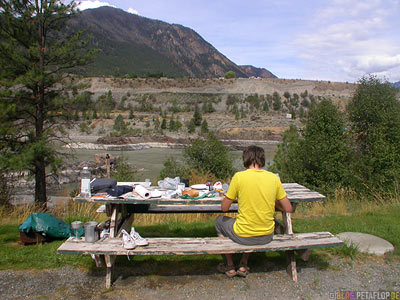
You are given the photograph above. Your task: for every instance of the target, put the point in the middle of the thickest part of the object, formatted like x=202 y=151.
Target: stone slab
x=366 y=243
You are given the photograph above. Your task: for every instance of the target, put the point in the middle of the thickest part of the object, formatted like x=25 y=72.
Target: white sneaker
x=137 y=238
x=127 y=241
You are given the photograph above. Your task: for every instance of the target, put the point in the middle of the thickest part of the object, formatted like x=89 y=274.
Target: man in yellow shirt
x=258 y=192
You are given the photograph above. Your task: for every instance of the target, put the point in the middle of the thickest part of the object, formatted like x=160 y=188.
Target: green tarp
x=48 y=224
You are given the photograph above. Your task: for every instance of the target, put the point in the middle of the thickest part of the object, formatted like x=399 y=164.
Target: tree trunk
x=40 y=184
x=40 y=166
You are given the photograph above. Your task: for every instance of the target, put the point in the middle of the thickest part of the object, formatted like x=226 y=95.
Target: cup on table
x=181 y=187
x=147 y=183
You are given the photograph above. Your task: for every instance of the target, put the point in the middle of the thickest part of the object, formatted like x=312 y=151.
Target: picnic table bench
x=122 y=211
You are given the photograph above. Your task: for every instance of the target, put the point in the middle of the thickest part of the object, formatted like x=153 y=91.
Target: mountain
x=396 y=85
x=131 y=44
x=257 y=72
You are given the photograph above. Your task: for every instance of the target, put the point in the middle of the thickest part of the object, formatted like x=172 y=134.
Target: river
x=151 y=160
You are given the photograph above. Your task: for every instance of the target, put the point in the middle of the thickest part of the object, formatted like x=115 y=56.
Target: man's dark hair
x=253 y=155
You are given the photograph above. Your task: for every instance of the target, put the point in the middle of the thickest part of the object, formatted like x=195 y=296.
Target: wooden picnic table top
x=296 y=193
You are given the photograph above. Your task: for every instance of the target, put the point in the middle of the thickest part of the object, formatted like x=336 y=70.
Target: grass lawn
x=383 y=223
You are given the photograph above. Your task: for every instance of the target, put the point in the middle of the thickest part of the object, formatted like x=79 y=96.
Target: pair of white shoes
x=133 y=239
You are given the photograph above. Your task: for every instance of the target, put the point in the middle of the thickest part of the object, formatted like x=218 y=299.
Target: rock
x=366 y=243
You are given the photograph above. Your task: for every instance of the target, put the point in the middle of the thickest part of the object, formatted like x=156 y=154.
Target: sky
x=337 y=40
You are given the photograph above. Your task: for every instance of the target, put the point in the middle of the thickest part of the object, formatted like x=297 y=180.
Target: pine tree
x=204 y=127
x=171 y=125
x=191 y=126
x=164 y=124
x=197 y=116
x=36 y=57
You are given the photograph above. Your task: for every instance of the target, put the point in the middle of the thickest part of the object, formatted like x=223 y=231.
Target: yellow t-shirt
x=256 y=192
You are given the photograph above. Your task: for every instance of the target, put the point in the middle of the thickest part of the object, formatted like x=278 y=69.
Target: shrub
x=230 y=74
x=209 y=155
x=172 y=168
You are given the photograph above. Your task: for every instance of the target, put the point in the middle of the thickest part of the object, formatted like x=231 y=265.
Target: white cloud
x=376 y=64
x=132 y=11
x=93 y=4
x=353 y=38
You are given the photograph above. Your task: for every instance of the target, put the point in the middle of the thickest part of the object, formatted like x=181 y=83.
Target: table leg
x=110 y=259
x=127 y=224
x=290 y=258
x=113 y=220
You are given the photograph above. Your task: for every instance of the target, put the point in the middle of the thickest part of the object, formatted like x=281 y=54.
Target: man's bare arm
x=284 y=205
x=225 y=204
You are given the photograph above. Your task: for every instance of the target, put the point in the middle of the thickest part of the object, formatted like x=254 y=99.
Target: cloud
x=132 y=11
x=93 y=4
x=352 y=39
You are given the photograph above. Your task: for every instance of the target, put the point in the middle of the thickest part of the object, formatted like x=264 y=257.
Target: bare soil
x=320 y=279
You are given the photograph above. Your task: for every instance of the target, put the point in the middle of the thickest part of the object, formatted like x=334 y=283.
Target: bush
x=209 y=155
x=123 y=171
x=172 y=168
x=230 y=74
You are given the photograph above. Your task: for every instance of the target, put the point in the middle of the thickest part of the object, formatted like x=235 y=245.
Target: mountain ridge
x=136 y=45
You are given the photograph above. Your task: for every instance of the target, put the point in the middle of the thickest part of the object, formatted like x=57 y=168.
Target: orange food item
x=191 y=193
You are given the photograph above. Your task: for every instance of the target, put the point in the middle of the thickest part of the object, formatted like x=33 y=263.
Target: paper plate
x=155 y=194
x=199 y=186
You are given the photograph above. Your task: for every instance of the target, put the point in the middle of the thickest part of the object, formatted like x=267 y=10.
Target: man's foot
x=228 y=270
x=243 y=270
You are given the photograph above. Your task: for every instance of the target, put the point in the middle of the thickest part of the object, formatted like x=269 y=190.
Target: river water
x=151 y=160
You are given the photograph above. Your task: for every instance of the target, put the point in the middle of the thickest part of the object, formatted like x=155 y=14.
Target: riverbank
x=141 y=143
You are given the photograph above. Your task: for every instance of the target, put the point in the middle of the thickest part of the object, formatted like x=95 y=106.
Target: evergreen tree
x=374 y=114
x=164 y=124
x=178 y=125
x=171 y=125
x=319 y=157
x=197 y=116
x=131 y=115
x=119 y=123
x=204 y=127
x=276 y=101
x=191 y=126
x=210 y=107
x=35 y=53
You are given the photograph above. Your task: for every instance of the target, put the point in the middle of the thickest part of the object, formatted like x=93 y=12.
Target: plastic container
x=85 y=183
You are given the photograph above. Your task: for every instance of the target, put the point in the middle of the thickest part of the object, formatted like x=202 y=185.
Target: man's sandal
x=243 y=273
x=227 y=270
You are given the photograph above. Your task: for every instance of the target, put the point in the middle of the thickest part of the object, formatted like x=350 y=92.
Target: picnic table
x=122 y=210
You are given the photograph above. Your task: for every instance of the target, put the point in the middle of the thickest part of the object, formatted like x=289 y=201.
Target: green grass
x=383 y=223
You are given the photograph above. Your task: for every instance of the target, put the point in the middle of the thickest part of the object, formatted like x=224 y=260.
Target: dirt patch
x=317 y=280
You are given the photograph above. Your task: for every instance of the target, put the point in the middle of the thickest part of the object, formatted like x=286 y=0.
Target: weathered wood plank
x=195 y=246
x=164 y=209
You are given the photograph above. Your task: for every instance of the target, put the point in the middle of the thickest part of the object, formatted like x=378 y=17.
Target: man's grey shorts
x=224 y=226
